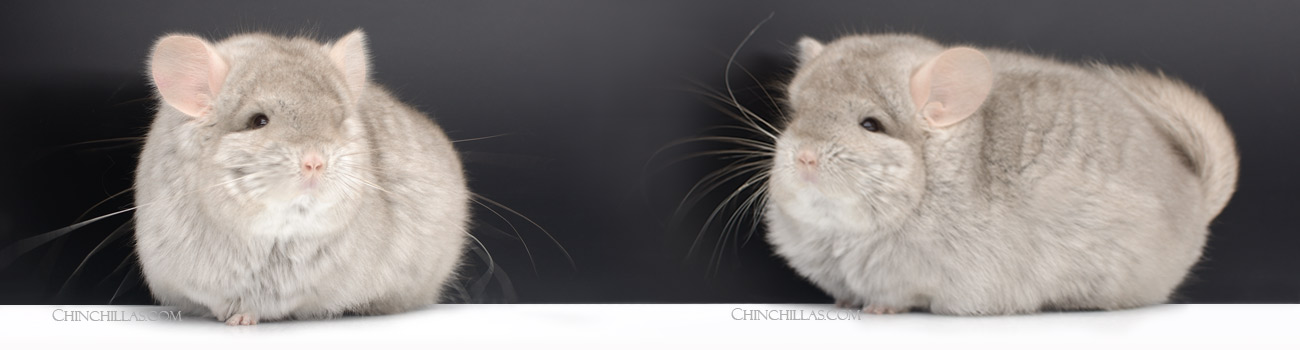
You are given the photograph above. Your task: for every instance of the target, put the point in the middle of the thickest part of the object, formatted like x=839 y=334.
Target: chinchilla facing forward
x=277 y=181
x=973 y=181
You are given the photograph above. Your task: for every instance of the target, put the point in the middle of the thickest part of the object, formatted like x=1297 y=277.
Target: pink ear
x=951 y=87
x=350 y=55
x=187 y=72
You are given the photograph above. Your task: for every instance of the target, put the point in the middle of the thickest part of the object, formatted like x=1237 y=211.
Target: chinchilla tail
x=1191 y=121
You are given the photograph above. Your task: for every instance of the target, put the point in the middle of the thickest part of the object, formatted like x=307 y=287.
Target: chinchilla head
x=269 y=127
x=863 y=109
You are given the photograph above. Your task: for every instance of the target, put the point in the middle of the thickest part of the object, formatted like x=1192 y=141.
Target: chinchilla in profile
x=978 y=181
x=277 y=181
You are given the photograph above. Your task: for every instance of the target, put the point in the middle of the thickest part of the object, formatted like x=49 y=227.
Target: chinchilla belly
x=272 y=277
x=855 y=267
x=1062 y=250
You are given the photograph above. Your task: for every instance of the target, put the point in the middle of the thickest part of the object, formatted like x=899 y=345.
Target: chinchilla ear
x=808 y=49
x=187 y=72
x=352 y=57
x=952 y=86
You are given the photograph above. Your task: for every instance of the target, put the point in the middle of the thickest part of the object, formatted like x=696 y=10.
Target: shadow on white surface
x=783 y=325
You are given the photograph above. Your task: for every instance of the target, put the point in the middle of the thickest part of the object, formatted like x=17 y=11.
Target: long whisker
x=746 y=208
x=759 y=148
x=372 y=169
x=738 y=141
x=713 y=215
x=714 y=180
x=539 y=227
x=134 y=100
x=492 y=272
x=734 y=154
x=111 y=237
x=125 y=261
x=117 y=292
x=479 y=138
x=92 y=208
x=358 y=179
x=751 y=161
x=118 y=139
x=730 y=230
x=349 y=154
x=733 y=109
x=518 y=235
x=750 y=168
x=771 y=101
x=762 y=203
x=492 y=264
x=13 y=251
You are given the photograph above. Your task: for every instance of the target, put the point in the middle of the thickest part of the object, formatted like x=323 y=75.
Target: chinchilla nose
x=807 y=158
x=312 y=162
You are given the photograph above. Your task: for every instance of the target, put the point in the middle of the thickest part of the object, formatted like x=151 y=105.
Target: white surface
x=650 y=325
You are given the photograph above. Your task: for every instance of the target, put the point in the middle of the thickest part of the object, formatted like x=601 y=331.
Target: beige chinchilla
x=278 y=182
x=973 y=181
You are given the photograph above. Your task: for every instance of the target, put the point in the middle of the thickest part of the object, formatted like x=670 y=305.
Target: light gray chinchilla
x=278 y=182
x=971 y=181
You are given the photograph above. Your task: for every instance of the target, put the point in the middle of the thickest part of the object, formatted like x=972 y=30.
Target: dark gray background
x=586 y=92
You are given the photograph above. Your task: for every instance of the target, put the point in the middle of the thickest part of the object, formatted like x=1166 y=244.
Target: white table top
x=653 y=325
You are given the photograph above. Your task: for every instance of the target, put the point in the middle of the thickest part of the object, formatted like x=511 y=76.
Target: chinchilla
x=973 y=181
x=277 y=181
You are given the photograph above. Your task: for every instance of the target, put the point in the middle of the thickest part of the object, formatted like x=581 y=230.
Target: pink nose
x=312 y=162
x=807 y=158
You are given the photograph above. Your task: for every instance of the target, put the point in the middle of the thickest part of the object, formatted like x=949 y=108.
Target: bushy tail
x=1193 y=124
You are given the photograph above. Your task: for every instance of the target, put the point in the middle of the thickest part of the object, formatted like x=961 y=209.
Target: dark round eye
x=257 y=121
x=873 y=125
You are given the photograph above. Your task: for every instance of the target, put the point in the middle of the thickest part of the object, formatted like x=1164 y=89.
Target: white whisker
x=534 y=223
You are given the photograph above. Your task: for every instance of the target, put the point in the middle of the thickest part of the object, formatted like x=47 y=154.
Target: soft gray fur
x=1071 y=187
x=227 y=224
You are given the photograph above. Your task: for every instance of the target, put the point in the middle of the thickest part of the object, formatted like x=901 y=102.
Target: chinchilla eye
x=873 y=125
x=258 y=120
